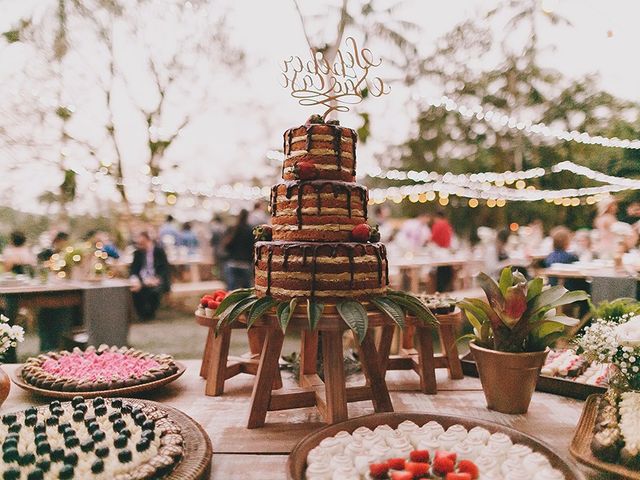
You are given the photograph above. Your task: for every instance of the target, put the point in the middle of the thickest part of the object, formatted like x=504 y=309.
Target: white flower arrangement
x=615 y=341
x=10 y=335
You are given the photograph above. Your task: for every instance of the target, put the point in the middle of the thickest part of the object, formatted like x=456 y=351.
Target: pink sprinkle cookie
x=98 y=369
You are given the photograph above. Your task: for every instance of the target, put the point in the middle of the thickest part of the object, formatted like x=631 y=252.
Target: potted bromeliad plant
x=512 y=333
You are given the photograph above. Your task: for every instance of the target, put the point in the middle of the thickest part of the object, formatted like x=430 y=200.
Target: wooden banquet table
x=106 y=305
x=262 y=453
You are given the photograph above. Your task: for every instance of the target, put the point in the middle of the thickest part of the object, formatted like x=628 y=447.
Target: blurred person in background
x=238 y=244
x=441 y=230
x=187 y=238
x=604 y=222
x=150 y=276
x=17 y=257
x=217 y=230
x=414 y=233
x=441 y=236
x=168 y=232
x=581 y=245
x=259 y=215
x=54 y=323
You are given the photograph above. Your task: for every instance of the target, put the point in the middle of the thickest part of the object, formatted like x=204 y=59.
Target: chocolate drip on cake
x=269 y=263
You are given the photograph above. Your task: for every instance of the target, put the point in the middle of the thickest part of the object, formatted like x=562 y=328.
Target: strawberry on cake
x=104 y=368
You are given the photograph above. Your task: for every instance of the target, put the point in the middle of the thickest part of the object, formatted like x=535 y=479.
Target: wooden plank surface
x=261 y=453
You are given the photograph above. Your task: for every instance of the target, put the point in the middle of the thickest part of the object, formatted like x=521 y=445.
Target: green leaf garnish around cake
x=355 y=316
x=390 y=309
x=262 y=306
x=314 y=312
x=285 y=312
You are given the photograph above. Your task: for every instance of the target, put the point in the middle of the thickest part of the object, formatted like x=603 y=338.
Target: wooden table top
x=262 y=453
x=62 y=286
x=586 y=273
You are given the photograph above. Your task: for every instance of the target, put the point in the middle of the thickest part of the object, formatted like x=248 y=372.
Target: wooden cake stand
x=218 y=366
x=330 y=396
x=416 y=352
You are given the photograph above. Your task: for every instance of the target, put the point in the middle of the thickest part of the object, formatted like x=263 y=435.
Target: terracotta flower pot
x=5 y=386
x=508 y=379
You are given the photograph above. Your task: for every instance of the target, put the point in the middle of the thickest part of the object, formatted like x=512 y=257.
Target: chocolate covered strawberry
x=263 y=233
x=314 y=120
x=305 y=171
x=361 y=233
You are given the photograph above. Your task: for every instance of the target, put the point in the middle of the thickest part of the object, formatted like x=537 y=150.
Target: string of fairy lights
x=494 y=189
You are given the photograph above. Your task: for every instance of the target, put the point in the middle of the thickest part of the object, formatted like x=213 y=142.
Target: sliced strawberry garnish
x=417 y=469
x=379 y=470
x=419 y=456
x=458 y=476
x=467 y=466
x=396 y=463
x=443 y=465
x=403 y=475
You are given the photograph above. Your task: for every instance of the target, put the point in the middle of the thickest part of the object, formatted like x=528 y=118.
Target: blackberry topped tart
x=96 y=369
x=119 y=439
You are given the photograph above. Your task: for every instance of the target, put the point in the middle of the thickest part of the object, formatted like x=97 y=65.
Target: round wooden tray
x=196 y=461
x=580 y=446
x=297 y=462
x=16 y=377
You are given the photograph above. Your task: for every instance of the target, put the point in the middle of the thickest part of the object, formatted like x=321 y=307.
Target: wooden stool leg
x=206 y=355
x=261 y=396
x=217 y=371
x=427 y=368
x=256 y=338
x=384 y=347
x=370 y=362
x=450 y=350
x=407 y=337
x=309 y=353
x=334 y=377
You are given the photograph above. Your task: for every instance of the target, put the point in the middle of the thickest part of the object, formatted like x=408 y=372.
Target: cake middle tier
x=323 y=270
x=317 y=211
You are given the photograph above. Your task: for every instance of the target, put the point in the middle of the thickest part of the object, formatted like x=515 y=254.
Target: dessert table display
x=261 y=454
x=424 y=445
x=102 y=372
x=113 y=438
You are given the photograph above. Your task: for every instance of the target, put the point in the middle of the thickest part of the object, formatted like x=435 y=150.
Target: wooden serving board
x=297 y=462
x=196 y=461
x=580 y=446
x=16 y=377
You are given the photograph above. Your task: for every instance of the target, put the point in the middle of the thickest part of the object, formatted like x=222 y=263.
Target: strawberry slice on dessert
x=379 y=470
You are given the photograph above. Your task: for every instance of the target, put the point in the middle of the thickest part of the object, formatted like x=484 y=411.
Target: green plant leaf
x=565 y=299
x=563 y=319
x=492 y=291
x=534 y=288
x=233 y=297
x=475 y=323
x=390 y=309
x=285 y=312
x=314 y=312
x=415 y=307
x=233 y=312
x=506 y=279
x=548 y=296
x=355 y=316
x=542 y=329
x=482 y=310
x=262 y=306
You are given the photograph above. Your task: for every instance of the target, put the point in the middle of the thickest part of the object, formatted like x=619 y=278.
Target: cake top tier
x=319 y=151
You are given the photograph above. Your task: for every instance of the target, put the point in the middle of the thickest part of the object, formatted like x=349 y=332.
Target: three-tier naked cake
x=321 y=245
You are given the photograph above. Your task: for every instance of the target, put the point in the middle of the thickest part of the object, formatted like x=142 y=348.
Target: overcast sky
x=229 y=143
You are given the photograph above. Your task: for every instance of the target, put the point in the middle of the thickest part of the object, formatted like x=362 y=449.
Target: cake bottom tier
x=320 y=270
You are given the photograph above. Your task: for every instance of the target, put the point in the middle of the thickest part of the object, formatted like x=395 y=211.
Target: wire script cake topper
x=345 y=81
